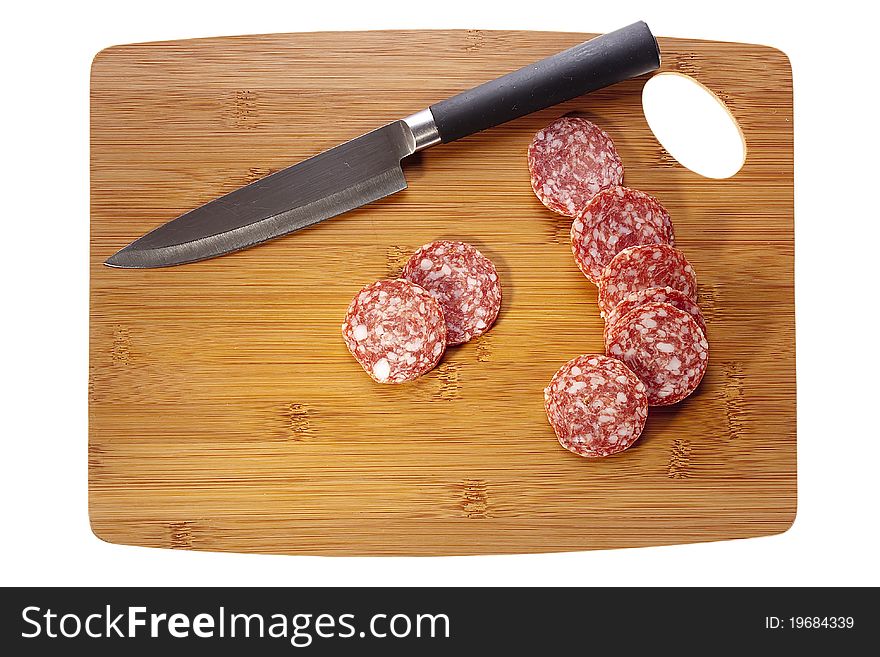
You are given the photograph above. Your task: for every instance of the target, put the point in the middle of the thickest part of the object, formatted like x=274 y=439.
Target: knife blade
x=369 y=167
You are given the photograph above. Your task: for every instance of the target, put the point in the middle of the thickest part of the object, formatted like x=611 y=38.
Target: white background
x=45 y=230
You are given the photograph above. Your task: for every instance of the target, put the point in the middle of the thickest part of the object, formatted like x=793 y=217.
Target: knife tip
x=120 y=260
x=114 y=261
x=132 y=257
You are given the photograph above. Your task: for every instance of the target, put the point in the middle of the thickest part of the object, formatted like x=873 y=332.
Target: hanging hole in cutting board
x=693 y=125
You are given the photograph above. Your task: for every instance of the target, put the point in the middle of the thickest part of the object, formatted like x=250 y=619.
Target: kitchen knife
x=368 y=168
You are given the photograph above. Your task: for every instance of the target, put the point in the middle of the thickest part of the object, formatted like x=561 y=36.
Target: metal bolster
x=423 y=128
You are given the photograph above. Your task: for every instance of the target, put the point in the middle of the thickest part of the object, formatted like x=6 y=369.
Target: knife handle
x=591 y=65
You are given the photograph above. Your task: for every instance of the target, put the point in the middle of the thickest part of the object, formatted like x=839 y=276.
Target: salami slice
x=615 y=219
x=640 y=267
x=665 y=347
x=596 y=406
x=654 y=294
x=570 y=161
x=395 y=330
x=463 y=281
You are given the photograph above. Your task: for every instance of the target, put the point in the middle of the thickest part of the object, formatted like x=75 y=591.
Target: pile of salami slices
x=399 y=329
x=623 y=241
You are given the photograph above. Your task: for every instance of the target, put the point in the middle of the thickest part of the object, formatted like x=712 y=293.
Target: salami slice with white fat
x=570 y=161
x=615 y=219
x=654 y=294
x=395 y=330
x=463 y=281
x=596 y=406
x=641 y=267
x=666 y=349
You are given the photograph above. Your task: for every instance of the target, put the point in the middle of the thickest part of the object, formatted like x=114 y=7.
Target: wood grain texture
x=225 y=411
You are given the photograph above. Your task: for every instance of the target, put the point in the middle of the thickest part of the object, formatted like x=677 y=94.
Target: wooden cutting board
x=225 y=411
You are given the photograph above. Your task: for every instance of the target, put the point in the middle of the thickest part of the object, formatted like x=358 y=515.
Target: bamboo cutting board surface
x=225 y=411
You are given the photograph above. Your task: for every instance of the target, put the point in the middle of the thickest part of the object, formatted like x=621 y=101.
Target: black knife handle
x=591 y=65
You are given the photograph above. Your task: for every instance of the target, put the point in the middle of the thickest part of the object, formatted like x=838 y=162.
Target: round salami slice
x=665 y=347
x=640 y=267
x=616 y=219
x=570 y=161
x=463 y=281
x=596 y=406
x=395 y=330
x=654 y=294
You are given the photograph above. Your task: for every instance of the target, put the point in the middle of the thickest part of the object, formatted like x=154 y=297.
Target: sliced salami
x=596 y=406
x=570 y=161
x=395 y=330
x=654 y=294
x=463 y=281
x=641 y=267
x=616 y=219
x=665 y=347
